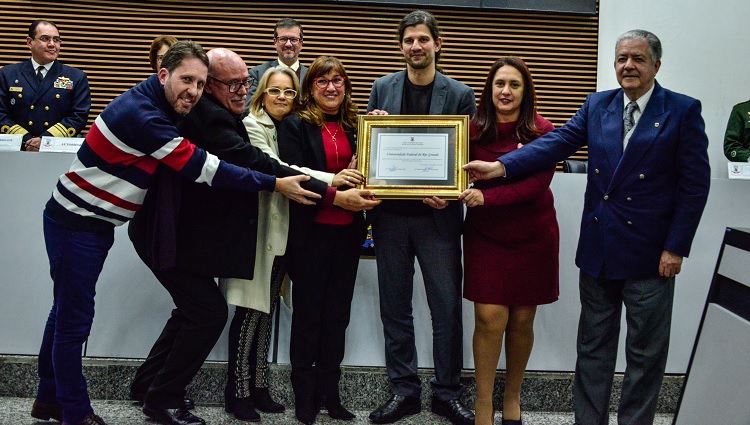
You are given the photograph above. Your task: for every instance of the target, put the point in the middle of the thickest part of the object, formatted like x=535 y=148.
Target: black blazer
x=301 y=144
x=216 y=229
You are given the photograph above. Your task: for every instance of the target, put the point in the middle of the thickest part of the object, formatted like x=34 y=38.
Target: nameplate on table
x=739 y=170
x=10 y=142
x=61 y=144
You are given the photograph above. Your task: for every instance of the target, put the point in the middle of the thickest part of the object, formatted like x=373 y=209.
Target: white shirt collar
x=36 y=65
x=294 y=67
x=641 y=101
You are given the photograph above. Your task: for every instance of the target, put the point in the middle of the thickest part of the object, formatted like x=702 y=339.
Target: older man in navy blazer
x=428 y=229
x=646 y=191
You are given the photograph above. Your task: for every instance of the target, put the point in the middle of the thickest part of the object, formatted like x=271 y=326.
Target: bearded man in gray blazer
x=429 y=230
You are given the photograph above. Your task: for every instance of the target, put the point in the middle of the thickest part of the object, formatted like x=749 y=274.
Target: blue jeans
x=76 y=259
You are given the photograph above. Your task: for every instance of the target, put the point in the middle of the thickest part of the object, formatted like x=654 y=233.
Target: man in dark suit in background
x=429 y=230
x=648 y=182
x=287 y=37
x=41 y=96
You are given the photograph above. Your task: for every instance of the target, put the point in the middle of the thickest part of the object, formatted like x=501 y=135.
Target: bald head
x=225 y=68
x=222 y=60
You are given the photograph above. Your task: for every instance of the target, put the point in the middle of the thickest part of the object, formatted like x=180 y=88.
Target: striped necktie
x=628 y=119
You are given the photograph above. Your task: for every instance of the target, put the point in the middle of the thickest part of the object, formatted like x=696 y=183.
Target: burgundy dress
x=511 y=243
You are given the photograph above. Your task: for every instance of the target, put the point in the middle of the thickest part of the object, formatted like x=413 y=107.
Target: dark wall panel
x=109 y=40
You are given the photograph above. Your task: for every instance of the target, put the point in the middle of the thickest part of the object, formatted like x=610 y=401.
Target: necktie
x=628 y=119
x=39 y=75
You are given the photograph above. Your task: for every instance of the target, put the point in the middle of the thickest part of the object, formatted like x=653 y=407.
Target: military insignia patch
x=64 y=83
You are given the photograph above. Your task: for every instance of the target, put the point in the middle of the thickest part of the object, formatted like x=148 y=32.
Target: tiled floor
x=15 y=411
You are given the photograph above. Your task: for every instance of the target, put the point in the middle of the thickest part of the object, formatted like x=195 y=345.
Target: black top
x=416 y=101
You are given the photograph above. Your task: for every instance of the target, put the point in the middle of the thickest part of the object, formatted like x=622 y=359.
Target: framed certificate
x=413 y=156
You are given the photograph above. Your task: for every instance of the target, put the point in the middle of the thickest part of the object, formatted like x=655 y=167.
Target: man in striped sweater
x=105 y=186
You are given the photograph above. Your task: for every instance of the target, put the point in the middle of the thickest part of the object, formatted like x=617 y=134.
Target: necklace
x=333 y=138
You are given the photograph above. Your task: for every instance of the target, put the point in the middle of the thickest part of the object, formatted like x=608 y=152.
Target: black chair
x=575 y=166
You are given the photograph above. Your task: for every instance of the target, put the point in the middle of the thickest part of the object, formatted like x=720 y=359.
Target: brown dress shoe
x=46 y=411
x=90 y=419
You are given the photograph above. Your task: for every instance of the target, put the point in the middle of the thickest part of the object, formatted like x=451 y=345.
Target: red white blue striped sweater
x=109 y=178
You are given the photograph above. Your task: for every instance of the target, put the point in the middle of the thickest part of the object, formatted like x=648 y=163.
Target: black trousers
x=323 y=270
x=185 y=342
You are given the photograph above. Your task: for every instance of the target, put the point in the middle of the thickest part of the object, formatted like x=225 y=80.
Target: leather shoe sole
x=187 y=403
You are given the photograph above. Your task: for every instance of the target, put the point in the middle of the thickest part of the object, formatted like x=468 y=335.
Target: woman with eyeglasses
x=158 y=49
x=323 y=247
x=511 y=238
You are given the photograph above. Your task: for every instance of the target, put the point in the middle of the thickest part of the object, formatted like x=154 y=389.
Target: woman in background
x=324 y=242
x=256 y=300
x=158 y=49
x=511 y=238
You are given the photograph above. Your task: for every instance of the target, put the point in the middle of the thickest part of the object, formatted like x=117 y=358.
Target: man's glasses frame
x=235 y=86
x=294 y=40
x=47 y=39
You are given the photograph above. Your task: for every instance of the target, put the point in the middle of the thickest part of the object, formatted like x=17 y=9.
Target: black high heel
x=242 y=408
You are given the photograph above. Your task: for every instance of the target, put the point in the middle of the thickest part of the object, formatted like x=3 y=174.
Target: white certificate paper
x=10 y=142
x=60 y=144
x=412 y=156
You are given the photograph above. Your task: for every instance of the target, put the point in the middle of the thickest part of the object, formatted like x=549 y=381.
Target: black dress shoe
x=242 y=408
x=511 y=422
x=46 y=411
x=263 y=401
x=454 y=410
x=187 y=402
x=396 y=408
x=179 y=416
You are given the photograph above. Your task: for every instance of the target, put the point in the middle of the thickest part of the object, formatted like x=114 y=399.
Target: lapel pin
x=656 y=124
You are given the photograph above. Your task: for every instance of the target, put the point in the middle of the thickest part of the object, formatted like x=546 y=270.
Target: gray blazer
x=258 y=71
x=449 y=97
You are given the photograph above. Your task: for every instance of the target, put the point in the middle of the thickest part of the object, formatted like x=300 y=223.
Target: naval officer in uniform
x=41 y=96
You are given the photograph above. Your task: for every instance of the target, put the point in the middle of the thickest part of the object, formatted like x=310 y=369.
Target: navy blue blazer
x=637 y=203
x=58 y=106
x=449 y=97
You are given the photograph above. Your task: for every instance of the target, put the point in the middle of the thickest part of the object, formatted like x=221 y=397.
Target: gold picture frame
x=413 y=156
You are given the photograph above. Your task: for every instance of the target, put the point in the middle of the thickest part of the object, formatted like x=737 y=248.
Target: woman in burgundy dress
x=511 y=238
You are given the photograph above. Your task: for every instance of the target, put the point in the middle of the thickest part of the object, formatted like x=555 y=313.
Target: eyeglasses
x=322 y=83
x=234 y=87
x=47 y=39
x=294 y=40
x=275 y=91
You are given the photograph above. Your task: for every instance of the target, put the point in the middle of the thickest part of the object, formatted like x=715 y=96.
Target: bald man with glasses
x=41 y=96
